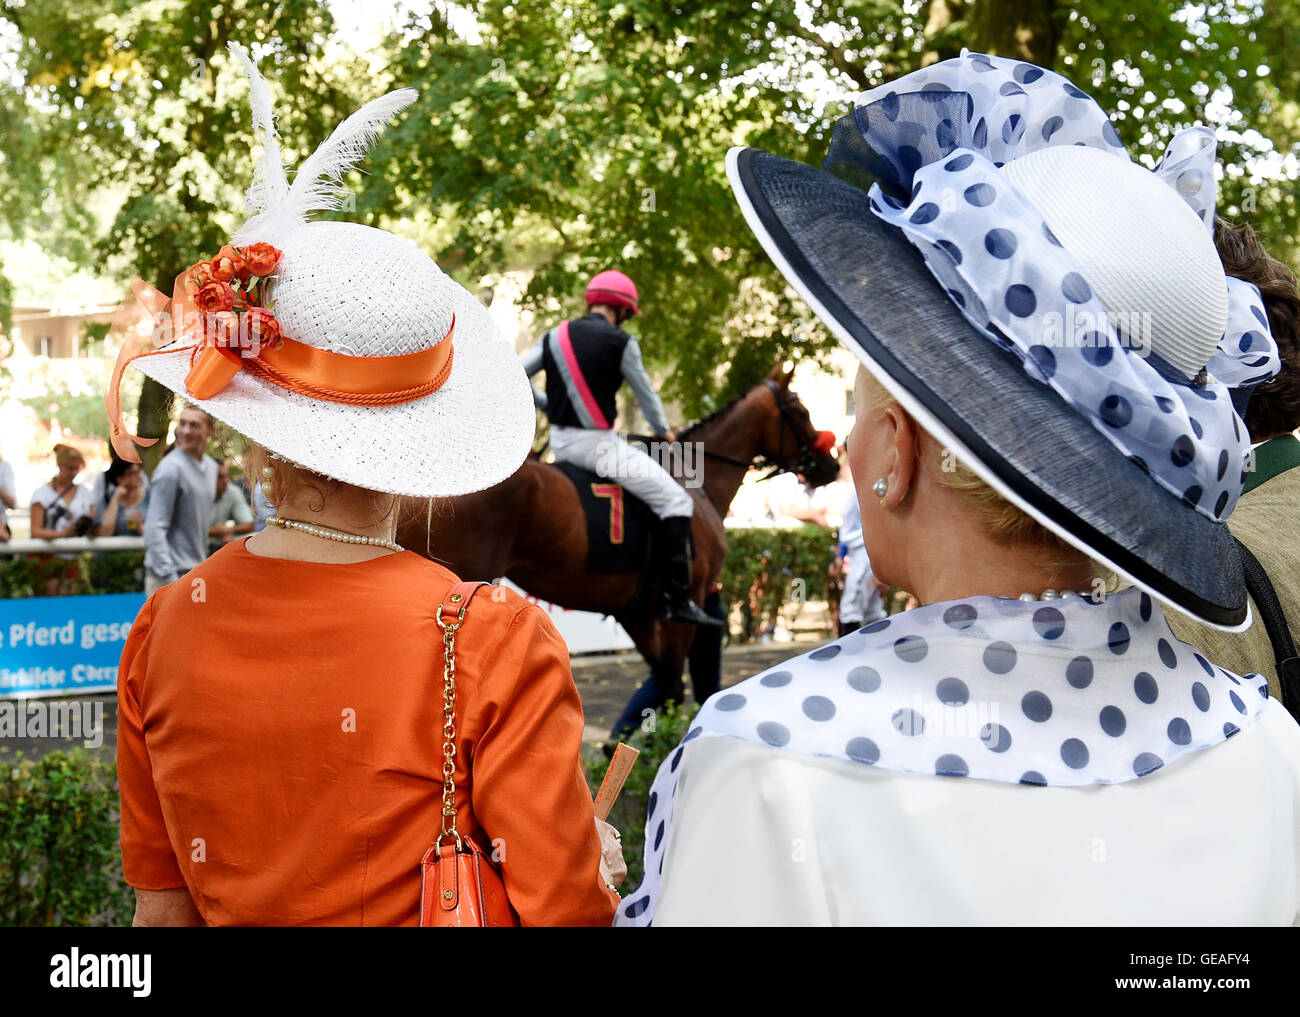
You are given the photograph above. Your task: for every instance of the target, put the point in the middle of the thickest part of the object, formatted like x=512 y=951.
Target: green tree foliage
x=576 y=135
x=143 y=99
x=568 y=136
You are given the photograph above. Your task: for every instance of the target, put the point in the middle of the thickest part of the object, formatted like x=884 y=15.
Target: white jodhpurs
x=608 y=455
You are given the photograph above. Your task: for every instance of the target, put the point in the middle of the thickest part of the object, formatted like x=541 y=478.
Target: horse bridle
x=807 y=454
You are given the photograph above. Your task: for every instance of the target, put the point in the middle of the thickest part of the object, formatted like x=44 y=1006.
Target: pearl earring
x=267 y=489
x=880 y=487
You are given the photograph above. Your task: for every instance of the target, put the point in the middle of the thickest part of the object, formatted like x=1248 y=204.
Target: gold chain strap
x=449 y=723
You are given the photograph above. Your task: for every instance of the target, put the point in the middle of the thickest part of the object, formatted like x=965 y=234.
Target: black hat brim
x=870 y=286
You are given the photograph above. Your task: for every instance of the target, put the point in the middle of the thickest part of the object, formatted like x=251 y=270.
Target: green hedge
x=766 y=569
x=60 y=860
x=105 y=572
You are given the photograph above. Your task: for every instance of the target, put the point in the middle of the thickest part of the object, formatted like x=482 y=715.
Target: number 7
x=614 y=492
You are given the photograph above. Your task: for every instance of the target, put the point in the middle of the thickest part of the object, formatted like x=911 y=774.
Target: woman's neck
x=962 y=559
x=348 y=511
x=1015 y=571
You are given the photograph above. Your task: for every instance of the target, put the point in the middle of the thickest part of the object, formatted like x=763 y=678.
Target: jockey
x=586 y=361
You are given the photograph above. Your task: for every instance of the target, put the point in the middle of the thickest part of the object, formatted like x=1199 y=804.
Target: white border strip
x=919 y=412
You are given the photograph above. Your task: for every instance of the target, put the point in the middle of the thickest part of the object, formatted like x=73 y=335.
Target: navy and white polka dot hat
x=1047 y=308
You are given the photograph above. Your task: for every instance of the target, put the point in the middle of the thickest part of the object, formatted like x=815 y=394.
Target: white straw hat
x=356 y=292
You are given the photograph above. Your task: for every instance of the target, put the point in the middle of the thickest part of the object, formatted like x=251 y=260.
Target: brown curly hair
x=1274 y=408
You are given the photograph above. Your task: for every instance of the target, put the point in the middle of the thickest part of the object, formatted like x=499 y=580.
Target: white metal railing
x=62 y=545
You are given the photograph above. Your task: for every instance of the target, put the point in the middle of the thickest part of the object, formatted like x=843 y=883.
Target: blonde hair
x=1002 y=520
x=288 y=480
x=64 y=454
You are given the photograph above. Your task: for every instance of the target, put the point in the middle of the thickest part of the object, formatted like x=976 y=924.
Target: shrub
x=60 y=862
x=763 y=566
x=117 y=572
x=667 y=729
x=104 y=572
x=30 y=575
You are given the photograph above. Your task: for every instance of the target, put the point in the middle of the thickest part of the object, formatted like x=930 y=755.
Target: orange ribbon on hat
x=216 y=356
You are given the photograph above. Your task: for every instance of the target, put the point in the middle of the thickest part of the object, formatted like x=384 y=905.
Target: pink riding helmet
x=613 y=288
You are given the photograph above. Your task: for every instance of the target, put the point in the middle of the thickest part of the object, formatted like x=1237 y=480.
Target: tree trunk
x=153 y=417
x=945 y=30
x=1021 y=29
x=152 y=421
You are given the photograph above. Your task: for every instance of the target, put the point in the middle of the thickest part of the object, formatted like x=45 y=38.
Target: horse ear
x=781 y=377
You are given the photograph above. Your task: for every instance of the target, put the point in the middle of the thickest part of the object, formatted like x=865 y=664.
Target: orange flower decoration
x=229 y=290
x=261 y=258
x=201 y=274
x=263 y=329
x=215 y=296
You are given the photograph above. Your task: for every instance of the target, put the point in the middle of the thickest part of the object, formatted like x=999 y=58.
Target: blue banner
x=56 y=645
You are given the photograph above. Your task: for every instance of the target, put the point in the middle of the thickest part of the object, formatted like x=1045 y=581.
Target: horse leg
x=706 y=653
x=664 y=647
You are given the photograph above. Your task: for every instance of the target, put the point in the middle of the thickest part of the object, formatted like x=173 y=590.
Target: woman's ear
x=901 y=462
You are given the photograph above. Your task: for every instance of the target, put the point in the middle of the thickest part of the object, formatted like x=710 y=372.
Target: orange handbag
x=460 y=887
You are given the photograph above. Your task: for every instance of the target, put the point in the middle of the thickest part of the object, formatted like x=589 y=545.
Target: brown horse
x=531 y=527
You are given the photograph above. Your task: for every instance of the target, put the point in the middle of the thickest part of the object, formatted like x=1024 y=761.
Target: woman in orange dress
x=280 y=719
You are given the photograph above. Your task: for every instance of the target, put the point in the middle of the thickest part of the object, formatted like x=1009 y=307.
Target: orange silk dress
x=280 y=753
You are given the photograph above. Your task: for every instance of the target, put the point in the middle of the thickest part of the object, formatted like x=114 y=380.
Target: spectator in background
x=231 y=516
x=101 y=490
x=123 y=512
x=62 y=508
x=861 y=602
x=790 y=499
x=180 y=503
x=8 y=498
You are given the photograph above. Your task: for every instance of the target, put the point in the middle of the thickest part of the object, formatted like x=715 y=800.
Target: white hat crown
x=1138 y=244
x=360 y=291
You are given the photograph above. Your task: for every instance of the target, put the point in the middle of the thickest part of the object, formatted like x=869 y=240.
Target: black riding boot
x=676 y=575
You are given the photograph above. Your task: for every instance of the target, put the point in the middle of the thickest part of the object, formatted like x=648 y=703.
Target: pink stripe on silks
x=575 y=372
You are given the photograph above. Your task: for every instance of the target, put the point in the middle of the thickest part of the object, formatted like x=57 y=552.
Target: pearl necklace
x=1053 y=595
x=340 y=535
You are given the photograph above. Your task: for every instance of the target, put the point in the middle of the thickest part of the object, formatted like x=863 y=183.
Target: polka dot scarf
x=940 y=135
x=1060 y=693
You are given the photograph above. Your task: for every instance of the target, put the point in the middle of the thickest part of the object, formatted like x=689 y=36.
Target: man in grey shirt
x=231 y=516
x=181 y=493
